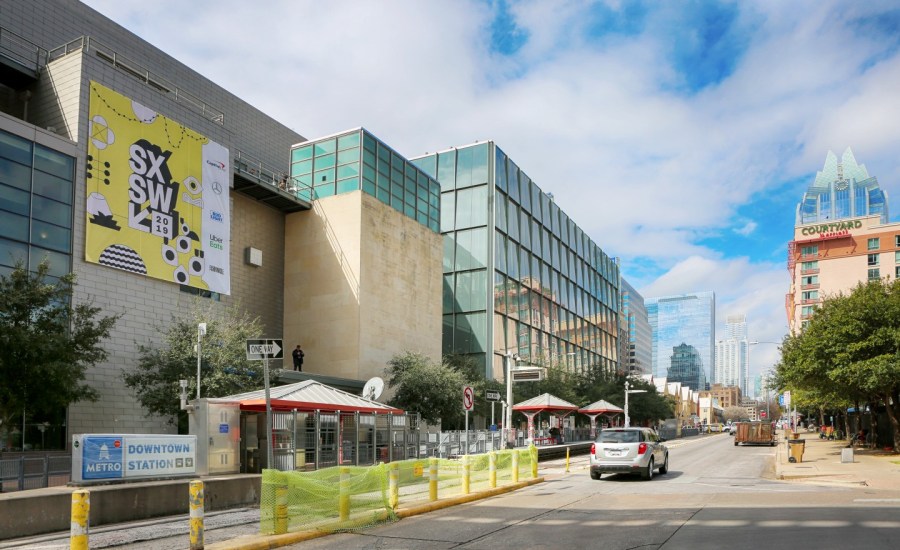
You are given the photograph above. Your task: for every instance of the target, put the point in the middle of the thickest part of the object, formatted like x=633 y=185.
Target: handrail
x=88 y=44
x=21 y=50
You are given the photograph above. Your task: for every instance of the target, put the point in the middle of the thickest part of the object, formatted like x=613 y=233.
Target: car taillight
x=593 y=448
x=642 y=448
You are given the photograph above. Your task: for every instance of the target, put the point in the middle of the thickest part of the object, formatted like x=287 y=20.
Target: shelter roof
x=601 y=407
x=545 y=403
x=308 y=395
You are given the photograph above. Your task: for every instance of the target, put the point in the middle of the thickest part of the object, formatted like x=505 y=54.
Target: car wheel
x=647 y=474
x=595 y=475
x=665 y=467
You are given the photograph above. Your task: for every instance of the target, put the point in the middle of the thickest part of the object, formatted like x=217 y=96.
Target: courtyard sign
x=831 y=230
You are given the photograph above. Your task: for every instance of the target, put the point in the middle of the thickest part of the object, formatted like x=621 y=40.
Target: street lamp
x=627 y=391
x=201 y=331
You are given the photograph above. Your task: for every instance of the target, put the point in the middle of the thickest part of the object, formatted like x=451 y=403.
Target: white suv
x=629 y=450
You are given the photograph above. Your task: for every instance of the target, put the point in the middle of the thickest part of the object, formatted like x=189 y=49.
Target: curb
x=265 y=542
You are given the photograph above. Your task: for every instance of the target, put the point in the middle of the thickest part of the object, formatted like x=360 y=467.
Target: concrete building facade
x=353 y=279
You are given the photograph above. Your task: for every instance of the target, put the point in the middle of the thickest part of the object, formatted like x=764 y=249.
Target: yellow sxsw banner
x=157 y=195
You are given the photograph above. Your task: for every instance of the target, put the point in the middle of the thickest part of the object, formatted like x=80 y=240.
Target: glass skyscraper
x=639 y=358
x=683 y=329
x=731 y=354
x=519 y=274
x=842 y=190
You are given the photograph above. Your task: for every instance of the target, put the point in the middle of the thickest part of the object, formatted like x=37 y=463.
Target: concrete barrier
x=39 y=511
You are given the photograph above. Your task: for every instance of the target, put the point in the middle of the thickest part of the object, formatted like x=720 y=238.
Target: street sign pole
x=268 y=416
x=270 y=348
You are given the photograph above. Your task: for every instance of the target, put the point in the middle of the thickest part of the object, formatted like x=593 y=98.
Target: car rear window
x=620 y=436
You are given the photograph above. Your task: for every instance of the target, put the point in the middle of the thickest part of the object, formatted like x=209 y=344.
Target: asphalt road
x=714 y=496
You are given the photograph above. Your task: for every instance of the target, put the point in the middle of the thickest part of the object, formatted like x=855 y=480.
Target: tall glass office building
x=842 y=190
x=519 y=274
x=639 y=333
x=683 y=330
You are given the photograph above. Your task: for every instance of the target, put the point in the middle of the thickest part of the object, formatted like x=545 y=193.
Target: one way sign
x=264 y=349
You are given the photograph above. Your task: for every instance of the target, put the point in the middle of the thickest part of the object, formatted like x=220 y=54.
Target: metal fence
x=34 y=471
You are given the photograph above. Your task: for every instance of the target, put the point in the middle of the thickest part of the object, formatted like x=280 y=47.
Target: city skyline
x=625 y=112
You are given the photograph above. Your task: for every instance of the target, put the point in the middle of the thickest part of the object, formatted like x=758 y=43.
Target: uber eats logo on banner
x=151 y=182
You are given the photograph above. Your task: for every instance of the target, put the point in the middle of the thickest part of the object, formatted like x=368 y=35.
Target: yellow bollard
x=281 y=509
x=81 y=509
x=344 y=498
x=567 y=460
x=492 y=465
x=432 y=479
x=467 y=469
x=394 y=485
x=532 y=451
x=195 y=504
x=515 y=466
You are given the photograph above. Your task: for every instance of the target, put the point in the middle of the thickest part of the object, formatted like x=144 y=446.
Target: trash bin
x=795 y=450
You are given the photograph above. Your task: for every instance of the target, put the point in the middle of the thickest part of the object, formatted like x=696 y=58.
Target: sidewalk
x=821 y=463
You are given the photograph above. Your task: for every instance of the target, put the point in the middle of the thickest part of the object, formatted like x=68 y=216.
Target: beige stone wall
x=402 y=282
x=258 y=289
x=362 y=283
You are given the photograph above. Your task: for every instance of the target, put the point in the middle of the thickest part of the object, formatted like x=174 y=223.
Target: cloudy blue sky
x=679 y=134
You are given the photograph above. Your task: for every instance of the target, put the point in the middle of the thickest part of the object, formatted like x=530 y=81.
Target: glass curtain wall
x=37 y=189
x=519 y=275
x=355 y=160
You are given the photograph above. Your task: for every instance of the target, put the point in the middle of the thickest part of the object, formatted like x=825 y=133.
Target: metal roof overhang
x=269 y=194
x=259 y=405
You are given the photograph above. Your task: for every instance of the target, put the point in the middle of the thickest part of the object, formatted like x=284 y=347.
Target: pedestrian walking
x=298 y=355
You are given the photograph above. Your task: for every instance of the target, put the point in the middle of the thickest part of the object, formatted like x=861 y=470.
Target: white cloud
x=645 y=168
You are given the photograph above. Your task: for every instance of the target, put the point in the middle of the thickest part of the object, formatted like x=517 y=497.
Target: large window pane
x=15 y=200
x=325 y=147
x=15 y=227
x=59 y=263
x=500 y=168
x=15 y=148
x=53 y=187
x=471 y=249
x=15 y=174
x=500 y=211
x=301 y=153
x=50 y=236
x=350 y=140
x=446 y=170
x=471 y=333
x=448 y=211
x=349 y=155
x=12 y=252
x=324 y=161
x=471 y=207
x=52 y=162
x=52 y=211
x=448 y=301
x=500 y=252
x=449 y=252
x=471 y=291
x=447 y=334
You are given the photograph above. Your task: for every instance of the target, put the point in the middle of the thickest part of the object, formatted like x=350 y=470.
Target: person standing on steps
x=298 y=355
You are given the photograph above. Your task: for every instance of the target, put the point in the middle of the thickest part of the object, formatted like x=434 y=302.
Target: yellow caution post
x=281 y=509
x=432 y=479
x=515 y=466
x=394 y=485
x=196 y=505
x=492 y=465
x=466 y=473
x=344 y=497
x=81 y=509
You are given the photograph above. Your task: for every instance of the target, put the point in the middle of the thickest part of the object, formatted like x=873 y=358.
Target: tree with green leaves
x=46 y=343
x=433 y=390
x=225 y=369
x=850 y=351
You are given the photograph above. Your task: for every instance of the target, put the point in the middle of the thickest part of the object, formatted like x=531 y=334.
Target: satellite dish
x=373 y=388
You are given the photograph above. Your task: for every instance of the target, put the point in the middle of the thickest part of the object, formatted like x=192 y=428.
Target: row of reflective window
x=339 y=165
x=36 y=196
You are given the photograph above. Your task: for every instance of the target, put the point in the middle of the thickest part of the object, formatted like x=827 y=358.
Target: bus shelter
x=313 y=426
x=598 y=408
x=545 y=403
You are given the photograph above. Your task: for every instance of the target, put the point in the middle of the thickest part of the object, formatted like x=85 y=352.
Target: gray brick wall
x=61 y=100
